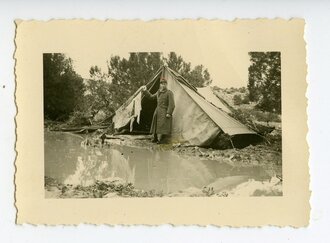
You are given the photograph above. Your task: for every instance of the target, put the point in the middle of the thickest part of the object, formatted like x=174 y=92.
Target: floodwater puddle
x=149 y=169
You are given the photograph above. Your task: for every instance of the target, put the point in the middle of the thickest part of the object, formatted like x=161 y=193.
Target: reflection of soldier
x=103 y=137
x=162 y=119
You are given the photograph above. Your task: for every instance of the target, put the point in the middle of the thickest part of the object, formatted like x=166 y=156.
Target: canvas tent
x=196 y=121
x=208 y=94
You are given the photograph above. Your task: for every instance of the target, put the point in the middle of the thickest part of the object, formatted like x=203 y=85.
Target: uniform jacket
x=165 y=105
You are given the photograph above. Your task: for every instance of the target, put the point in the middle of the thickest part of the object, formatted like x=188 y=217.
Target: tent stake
x=232 y=144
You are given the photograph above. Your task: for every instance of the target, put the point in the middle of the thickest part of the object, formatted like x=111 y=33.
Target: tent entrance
x=148 y=107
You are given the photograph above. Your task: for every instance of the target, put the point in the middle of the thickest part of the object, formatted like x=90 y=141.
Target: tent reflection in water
x=196 y=121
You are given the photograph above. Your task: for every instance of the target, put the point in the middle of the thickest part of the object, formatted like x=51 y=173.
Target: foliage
x=98 y=95
x=216 y=88
x=264 y=116
x=79 y=118
x=242 y=90
x=107 y=91
x=127 y=75
x=264 y=83
x=238 y=100
x=67 y=95
x=250 y=117
x=232 y=90
x=63 y=87
x=244 y=117
x=246 y=99
x=198 y=76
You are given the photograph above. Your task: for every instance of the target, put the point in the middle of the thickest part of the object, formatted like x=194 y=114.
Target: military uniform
x=165 y=105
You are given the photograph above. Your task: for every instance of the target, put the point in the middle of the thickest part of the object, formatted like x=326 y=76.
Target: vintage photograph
x=160 y=124
x=182 y=122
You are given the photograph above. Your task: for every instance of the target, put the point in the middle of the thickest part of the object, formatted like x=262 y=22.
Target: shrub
x=265 y=116
x=79 y=118
x=237 y=100
x=242 y=90
x=246 y=99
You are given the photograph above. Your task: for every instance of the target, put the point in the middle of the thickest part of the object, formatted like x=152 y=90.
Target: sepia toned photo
x=182 y=122
x=153 y=124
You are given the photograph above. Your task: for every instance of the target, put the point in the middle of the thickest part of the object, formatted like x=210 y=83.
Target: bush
x=237 y=100
x=231 y=90
x=243 y=116
x=265 y=116
x=242 y=90
x=79 y=118
x=246 y=99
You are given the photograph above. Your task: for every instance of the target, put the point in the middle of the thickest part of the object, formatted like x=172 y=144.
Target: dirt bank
x=100 y=189
x=269 y=156
x=223 y=187
x=250 y=156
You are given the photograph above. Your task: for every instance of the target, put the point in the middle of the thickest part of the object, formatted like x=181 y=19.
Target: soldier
x=161 y=125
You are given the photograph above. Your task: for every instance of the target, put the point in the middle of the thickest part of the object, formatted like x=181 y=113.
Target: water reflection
x=70 y=163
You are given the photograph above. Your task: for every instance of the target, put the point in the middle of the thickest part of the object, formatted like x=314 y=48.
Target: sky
x=221 y=46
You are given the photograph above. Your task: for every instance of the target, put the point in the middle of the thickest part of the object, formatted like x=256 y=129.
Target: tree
x=176 y=63
x=198 y=76
x=264 y=83
x=63 y=87
x=98 y=95
x=127 y=75
x=107 y=91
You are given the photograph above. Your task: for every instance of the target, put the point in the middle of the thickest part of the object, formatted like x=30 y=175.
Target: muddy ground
x=268 y=155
